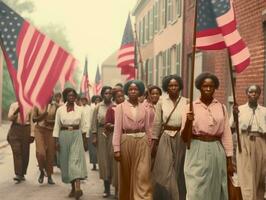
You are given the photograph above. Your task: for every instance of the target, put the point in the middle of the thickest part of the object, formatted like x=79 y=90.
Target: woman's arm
x=118 y=128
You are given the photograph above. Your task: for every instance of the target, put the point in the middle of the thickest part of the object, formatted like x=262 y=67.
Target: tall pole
x=139 y=53
x=235 y=104
x=190 y=125
x=1 y=85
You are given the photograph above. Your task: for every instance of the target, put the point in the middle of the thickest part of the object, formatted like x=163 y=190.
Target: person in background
x=70 y=131
x=251 y=163
x=45 y=146
x=19 y=137
x=118 y=97
x=131 y=142
x=91 y=148
x=209 y=159
x=101 y=140
x=168 y=170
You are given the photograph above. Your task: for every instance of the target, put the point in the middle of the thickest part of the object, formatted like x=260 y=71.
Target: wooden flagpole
x=235 y=103
x=139 y=53
x=187 y=132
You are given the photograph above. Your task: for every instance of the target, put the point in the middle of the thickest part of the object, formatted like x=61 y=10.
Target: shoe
x=78 y=194
x=41 y=177
x=71 y=194
x=18 y=178
x=50 y=180
x=22 y=178
x=106 y=195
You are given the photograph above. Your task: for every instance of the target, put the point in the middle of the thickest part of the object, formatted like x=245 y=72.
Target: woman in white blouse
x=168 y=171
x=70 y=131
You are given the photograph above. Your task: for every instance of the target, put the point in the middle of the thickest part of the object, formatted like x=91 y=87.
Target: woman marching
x=209 y=156
x=101 y=140
x=118 y=97
x=131 y=143
x=168 y=171
x=70 y=131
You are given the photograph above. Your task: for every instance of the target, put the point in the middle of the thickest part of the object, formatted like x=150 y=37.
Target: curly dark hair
x=138 y=83
x=168 y=78
x=155 y=87
x=199 y=80
x=94 y=97
x=114 y=93
x=66 y=91
x=104 y=89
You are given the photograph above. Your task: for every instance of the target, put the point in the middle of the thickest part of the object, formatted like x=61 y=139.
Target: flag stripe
x=241 y=66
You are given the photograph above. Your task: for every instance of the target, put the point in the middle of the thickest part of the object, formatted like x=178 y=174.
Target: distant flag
x=84 y=86
x=217 y=29
x=98 y=82
x=126 y=54
x=35 y=63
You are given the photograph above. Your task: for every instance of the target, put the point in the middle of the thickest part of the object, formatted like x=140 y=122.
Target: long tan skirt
x=251 y=167
x=134 y=169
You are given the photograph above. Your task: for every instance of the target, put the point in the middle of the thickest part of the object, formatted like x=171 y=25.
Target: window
x=157 y=72
x=143 y=31
x=169 y=10
x=163 y=14
x=151 y=24
x=147 y=23
x=140 y=33
x=155 y=14
x=178 y=8
x=168 y=62
x=178 y=59
x=164 y=63
x=150 y=72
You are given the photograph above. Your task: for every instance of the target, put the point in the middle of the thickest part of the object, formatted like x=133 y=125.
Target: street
x=31 y=189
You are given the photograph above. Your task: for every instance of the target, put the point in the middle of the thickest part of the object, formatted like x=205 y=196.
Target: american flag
x=98 y=82
x=84 y=86
x=126 y=54
x=35 y=63
x=217 y=29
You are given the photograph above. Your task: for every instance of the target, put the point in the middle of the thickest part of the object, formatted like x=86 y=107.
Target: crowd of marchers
x=136 y=137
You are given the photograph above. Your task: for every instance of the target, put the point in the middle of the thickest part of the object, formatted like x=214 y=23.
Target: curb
x=3 y=144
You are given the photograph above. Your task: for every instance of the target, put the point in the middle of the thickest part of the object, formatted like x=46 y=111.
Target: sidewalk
x=3 y=133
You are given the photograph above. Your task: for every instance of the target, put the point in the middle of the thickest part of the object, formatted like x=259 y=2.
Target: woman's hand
x=85 y=142
x=154 y=145
x=230 y=166
x=190 y=116
x=94 y=140
x=117 y=156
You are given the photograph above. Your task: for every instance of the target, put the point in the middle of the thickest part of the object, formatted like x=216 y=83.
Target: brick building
x=251 y=18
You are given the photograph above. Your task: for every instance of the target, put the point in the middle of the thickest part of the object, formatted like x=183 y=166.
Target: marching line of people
x=138 y=136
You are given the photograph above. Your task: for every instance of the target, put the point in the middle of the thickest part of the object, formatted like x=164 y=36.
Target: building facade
x=159 y=31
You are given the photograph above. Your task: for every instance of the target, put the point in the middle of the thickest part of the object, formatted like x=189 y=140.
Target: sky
x=94 y=28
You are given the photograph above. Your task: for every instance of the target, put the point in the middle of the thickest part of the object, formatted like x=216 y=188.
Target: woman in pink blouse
x=131 y=142
x=209 y=157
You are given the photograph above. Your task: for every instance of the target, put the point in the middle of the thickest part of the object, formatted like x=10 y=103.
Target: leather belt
x=206 y=138
x=171 y=128
x=70 y=128
x=130 y=131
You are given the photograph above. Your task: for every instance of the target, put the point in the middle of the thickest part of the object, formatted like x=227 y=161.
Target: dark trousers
x=18 y=138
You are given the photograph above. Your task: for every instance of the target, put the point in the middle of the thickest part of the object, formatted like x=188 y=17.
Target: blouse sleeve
x=227 y=139
x=84 y=124
x=148 y=125
x=118 y=128
x=157 y=123
x=57 y=124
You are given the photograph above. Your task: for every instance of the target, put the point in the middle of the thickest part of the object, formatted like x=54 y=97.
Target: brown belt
x=171 y=128
x=70 y=128
x=129 y=131
x=206 y=138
